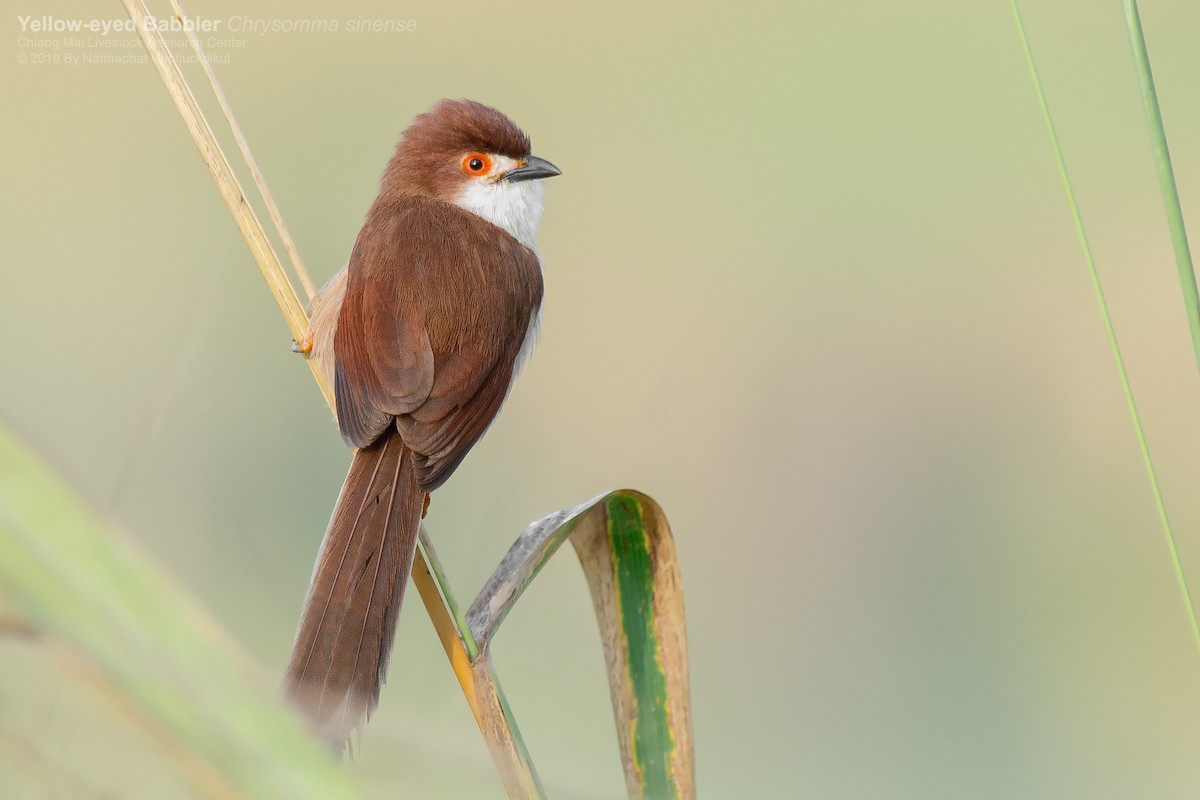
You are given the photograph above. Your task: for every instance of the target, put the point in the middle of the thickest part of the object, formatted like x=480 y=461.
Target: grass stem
x=1168 y=532
x=1166 y=173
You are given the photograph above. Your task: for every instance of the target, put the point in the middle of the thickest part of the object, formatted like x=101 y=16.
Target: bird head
x=473 y=156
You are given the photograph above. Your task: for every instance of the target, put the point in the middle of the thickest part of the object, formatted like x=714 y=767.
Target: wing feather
x=437 y=306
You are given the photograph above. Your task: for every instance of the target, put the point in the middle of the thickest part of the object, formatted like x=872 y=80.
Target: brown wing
x=383 y=363
x=458 y=411
x=438 y=303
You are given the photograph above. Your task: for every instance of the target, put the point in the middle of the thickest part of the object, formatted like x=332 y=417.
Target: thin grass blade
x=1110 y=330
x=1166 y=174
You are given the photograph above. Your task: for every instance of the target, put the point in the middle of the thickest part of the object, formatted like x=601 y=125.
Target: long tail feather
x=349 y=622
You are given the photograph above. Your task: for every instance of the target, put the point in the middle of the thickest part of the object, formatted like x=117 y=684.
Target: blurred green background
x=811 y=283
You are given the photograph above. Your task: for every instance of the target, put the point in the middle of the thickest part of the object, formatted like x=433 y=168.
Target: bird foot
x=304 y=347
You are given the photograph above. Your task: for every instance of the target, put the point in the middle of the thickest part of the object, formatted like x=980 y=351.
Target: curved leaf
x=628 y=555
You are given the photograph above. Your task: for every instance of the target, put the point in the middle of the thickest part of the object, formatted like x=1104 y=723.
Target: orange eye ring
x=476 y=164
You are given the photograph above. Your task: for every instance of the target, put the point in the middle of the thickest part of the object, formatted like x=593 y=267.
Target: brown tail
x=341 y=653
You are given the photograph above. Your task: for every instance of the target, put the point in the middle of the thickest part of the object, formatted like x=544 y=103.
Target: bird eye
x=476 y=164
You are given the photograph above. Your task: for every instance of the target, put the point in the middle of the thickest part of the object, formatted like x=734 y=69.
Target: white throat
x=514 y=206
x=517 y=208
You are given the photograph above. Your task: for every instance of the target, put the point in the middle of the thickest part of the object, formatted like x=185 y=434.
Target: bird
x=421 y=335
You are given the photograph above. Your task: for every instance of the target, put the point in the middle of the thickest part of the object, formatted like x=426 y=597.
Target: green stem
x=1166 y=173
x=1180 y=577
x=443 y=584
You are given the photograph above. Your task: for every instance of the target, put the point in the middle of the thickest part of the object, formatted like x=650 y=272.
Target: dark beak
x=532 y=169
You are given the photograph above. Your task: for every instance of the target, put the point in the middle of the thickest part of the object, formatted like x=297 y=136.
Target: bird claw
x=303 y=348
